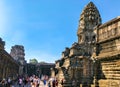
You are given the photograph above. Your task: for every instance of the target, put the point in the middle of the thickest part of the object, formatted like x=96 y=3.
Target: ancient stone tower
x=89 y=19
x=93 y=61
x=17 y=52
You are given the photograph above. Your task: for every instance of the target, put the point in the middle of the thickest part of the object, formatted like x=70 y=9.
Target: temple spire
x=89 y=18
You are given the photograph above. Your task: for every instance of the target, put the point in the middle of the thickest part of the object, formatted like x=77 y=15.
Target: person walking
x=53 y=83
x=73 y=83
x=20 y=82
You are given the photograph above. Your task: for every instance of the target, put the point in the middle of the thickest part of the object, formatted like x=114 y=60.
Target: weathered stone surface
x=8 y=66
x=17 y=52
x=93 y=61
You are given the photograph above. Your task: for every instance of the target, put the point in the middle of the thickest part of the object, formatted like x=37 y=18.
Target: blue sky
x=46 y=27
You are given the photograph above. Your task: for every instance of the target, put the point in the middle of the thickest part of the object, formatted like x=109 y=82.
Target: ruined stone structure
x=93 y=61
x=8 y=66
x=17 y=52
x=107 y=53
x=39 y=69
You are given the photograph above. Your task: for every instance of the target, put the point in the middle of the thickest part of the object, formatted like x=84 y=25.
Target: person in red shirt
x=56 y=83
x=53 y=83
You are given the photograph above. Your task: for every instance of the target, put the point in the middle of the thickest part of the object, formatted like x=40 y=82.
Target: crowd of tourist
x=29 y=81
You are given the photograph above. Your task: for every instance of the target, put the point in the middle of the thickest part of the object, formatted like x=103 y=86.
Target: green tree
x=33 y=61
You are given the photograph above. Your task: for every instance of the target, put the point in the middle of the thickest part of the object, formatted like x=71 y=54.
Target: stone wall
x=108 y=53
x=8 y=66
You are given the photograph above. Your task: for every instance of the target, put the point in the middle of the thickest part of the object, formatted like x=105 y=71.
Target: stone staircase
x=111 y=70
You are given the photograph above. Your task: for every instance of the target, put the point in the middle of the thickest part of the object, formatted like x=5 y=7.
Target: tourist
x=73 y=83
x=49 y=84
x=44 y=81
x=20 y=82
x=3 y=82
x=56 y=83
x=53 y=83
x=9 y=81
x=62 y=82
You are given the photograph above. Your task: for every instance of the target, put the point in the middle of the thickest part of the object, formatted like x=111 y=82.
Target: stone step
x=112 y=77
x=112 y=66
x=109 y=83
x=118 y=75
x=109 y=63
x=111 y=72
x=117 y=68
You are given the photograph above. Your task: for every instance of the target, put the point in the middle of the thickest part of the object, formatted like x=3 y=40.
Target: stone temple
x=8 y=66
x=93 y=61
x=18 y=54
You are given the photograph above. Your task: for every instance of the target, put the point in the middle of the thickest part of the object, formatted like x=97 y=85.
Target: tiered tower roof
x=89 y=18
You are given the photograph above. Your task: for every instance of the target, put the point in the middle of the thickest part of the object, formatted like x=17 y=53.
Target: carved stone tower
x=89 y=19
x=17 y=52
x=94 y=61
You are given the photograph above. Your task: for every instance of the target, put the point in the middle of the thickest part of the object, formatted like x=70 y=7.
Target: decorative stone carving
x=17 y=52
x=66 y=52
x=89 y=18
x=94 y=59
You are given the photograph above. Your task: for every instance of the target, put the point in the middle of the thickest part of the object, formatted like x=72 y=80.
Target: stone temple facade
x=93 y=61
x=8 y=66
x=39 y=69
x=17 y=52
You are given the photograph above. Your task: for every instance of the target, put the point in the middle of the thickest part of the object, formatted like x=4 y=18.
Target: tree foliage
x=33 y=61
